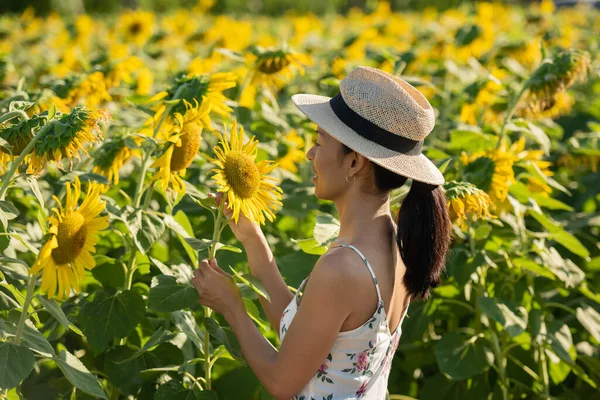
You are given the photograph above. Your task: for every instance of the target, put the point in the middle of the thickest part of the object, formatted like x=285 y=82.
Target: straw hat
x=381 y=117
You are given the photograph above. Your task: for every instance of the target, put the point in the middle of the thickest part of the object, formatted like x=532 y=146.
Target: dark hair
x=424 y=229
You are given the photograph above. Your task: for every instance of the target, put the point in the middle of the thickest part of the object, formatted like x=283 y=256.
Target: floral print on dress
x=322 y=372
x=362 y=361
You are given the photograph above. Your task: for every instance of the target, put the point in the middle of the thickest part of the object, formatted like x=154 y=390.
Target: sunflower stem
x=500 y=361
x=207 y=311
x=217 y=232
x=16 y=113
x=137 y=198
x=28 y=297
x=511 y=110
x=7 y=177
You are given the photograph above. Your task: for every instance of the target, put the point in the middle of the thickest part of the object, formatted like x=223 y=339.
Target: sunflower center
x=190 y=144
x=272 y=66
x=72 y=233
x=135 y=28
x=242 y=174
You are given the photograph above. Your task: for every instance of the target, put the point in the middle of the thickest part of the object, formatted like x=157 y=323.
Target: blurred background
x=269 y=7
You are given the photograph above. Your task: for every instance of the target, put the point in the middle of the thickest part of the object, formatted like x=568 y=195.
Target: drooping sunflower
x=208 y=87
x=245 y=182
x=181 y=146
x=275 y=67
x=73 y=236
x=467 y=203
x=553 y=77
x=66 y=139
x=18 y=137
x=112 y=155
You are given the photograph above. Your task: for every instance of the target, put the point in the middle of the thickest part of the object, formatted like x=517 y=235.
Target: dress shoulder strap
x=368 y=266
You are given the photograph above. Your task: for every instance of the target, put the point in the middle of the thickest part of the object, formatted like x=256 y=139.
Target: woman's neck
x=364 y=216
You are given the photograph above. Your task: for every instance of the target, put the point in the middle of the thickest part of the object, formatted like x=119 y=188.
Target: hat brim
x=416 y=167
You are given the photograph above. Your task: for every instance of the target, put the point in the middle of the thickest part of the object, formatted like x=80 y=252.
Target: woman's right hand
x=245 y=230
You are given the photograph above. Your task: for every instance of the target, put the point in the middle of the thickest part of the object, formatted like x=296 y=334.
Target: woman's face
x=329 y=166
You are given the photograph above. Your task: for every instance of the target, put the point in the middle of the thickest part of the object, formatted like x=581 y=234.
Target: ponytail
x=424 y=229
x=423 y=237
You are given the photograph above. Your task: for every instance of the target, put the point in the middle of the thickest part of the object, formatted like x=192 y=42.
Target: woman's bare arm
x=264 y=268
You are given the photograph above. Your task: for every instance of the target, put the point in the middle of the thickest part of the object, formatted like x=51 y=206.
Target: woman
x=340 y=331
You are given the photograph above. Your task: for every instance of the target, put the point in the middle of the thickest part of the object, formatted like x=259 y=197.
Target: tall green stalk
x=28 y=297
x=207 y=311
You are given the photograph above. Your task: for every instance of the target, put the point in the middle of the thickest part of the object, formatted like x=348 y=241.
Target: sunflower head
x=72 y=236
x=467 y=202
x=244 y=181
x=136 y=26
x=68 y=136
x=182 y=145
x=554 y=76
x=274 y=67
x=112 y=155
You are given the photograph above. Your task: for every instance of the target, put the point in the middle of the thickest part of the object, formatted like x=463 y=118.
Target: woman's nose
x=309 y=154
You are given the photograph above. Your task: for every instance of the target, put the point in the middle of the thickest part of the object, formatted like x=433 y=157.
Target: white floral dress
x=359 y=363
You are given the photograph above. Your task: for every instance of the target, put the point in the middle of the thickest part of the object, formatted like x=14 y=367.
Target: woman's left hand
x=216 y=288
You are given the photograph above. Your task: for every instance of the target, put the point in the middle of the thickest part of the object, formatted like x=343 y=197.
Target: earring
x=352 y=181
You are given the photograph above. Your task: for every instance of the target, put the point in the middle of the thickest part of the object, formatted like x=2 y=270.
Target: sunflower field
x=116 y=132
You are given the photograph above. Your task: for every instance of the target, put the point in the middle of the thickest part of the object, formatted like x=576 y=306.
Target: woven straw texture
x=390 y=103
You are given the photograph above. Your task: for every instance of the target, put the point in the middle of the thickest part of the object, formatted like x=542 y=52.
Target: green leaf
x=310 y=246
x=252 y=282
x=590 y=319
x=184 y=230
x=7 y=212
x=253 y=312
x=35 y=188
x=174 y=390
x=213 y=328
x=564 y=269
x=460 y=358
x=124 y=375
x=513 y=317
x=31 y=337
x=326 y=229
x=199 y=244
x=158 y=337
x=146 y=228
x=111 y=316
x=78 y=374
x=54 y=309
x=559 y=234
x=16 y=269
x=470 y=141
x=166 y=295
x=17 y=362
x=534 y=267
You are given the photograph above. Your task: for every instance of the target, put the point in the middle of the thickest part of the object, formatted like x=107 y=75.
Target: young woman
x=341 y=329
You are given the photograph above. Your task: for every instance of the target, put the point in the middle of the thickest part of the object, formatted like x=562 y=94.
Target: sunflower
x=91 y=91
x=467 y=202
x=492 y=171
x=65 y=139
x=135 y=26
x=552 y=77
x=73 y=236
x=112 y=155
x=244 y=181
x=208 y=87
x=295 y=152
x=182 y=146
x=275 y=67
